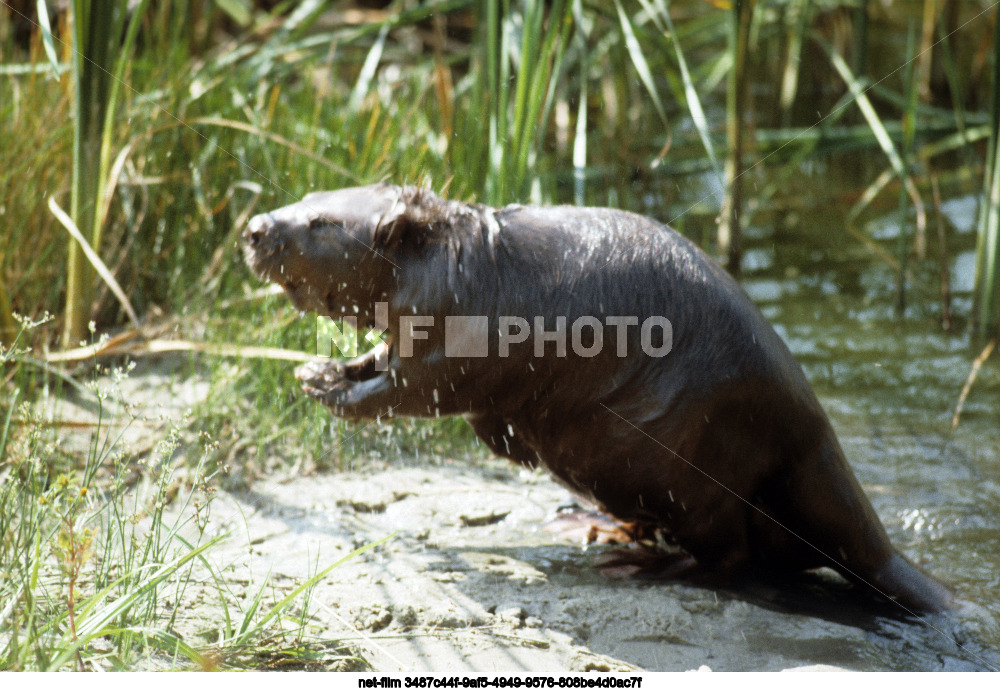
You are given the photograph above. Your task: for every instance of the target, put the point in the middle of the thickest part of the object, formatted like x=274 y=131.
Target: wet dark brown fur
x=721 y=443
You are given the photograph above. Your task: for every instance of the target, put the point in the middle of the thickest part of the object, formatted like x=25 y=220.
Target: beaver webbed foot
x=590 y=527
x=644 y=562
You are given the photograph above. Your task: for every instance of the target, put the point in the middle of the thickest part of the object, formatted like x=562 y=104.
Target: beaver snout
x=258 y=229
x=265 y=247
x=265 y=236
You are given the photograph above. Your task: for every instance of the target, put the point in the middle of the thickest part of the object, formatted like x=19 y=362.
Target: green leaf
x=47 y=41
x=639 y=60
x=691 y=96
x=238 y=10
x=868 y=110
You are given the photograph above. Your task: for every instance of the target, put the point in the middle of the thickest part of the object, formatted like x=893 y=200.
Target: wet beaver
x=601 y=345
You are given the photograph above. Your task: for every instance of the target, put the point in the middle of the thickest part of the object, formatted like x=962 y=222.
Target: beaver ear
x=403 y=224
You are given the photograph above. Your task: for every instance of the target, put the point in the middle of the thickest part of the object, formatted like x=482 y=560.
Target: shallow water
x=891 y=386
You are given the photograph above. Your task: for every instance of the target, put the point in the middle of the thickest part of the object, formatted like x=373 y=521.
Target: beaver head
x=331 y=252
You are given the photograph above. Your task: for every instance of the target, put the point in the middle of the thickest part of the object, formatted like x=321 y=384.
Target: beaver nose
x=257 y=229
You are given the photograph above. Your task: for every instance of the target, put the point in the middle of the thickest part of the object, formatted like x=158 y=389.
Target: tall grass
x=457 y=94
x=7 y=327
x=986 y=309
x=218 y=129
x=177 y=162
x=516 y=76
x=100 y=57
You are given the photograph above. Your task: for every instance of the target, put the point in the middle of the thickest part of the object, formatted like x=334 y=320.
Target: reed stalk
x=909 y=133
x=859 y=51
x=986 y=299
x=737 y=103
x=797 y=23
x=100 y=59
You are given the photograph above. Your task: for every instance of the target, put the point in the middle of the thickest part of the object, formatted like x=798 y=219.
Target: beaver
x=601 y=345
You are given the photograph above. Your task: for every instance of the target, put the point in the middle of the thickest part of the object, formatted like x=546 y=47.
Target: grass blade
x=94 y=621
x=47 y=42
x=879 y=130
x=693 y=101
x=639 y=61
x=580 y=135
x=364 y=82
x=737 y=103
x=94 y=259
x=97 y=77
x=857 y=90
x=8 y=329
x=283 y=604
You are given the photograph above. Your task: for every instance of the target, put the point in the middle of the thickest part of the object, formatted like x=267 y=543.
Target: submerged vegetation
x=162 y=127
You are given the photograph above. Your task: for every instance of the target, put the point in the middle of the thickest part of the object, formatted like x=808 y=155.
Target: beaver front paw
x=319 y=377
x=328 y=383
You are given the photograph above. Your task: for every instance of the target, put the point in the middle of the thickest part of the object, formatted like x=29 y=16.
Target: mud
x=469 y=580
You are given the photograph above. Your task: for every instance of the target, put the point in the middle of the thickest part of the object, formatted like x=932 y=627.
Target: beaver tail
x=911 y=587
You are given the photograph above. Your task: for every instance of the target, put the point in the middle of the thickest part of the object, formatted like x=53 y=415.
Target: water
x=890 y=385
